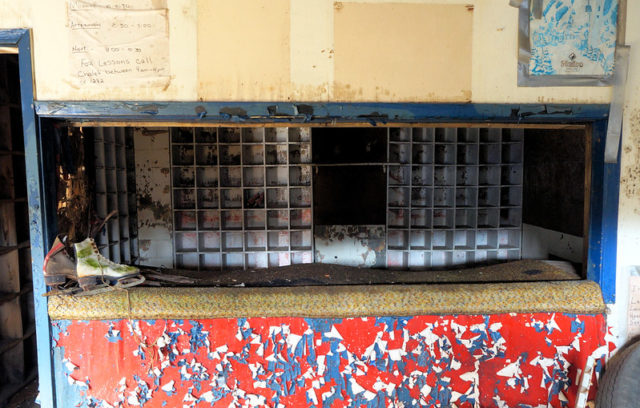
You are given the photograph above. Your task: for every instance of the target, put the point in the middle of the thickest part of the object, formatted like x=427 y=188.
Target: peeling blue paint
x=276 y=355
x=322 y=325
x=198 y=338
x=70 y=394
x=59 y=327
x=392 y=323
x=113 y=336
x=372 y=113
x=577 y=326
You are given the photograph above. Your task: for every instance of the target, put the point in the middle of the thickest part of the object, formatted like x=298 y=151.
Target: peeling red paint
x=434 y=358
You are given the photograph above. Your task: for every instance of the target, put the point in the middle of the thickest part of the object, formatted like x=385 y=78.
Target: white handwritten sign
x=119 y=43
x=633 y=322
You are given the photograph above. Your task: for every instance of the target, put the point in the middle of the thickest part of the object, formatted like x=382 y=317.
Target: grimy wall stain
x=630 y=177
x=153 y=181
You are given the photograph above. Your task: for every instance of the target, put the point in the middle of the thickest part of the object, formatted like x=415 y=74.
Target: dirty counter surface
x=328 y=274
x=326 y=291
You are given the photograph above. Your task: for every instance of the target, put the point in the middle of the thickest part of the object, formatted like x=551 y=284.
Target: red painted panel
x=487 y=361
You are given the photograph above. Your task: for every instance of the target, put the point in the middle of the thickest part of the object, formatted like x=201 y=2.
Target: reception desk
x=464 y=344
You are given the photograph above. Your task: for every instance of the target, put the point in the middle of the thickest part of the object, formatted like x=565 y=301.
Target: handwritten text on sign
x=634 y=306
x=119 y=43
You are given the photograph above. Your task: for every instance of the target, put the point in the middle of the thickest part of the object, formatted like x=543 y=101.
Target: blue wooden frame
x=605 y=177
x=21 y=39
x=320 y=113
x=603 y=216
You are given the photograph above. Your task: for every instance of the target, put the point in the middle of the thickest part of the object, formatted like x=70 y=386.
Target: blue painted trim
x=21 y=39
x=11 y=38
x=594 y=256
x=603 y=231
x=374 y=113
x=611 y=194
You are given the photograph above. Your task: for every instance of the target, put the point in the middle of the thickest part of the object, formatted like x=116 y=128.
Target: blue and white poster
x=571 y=38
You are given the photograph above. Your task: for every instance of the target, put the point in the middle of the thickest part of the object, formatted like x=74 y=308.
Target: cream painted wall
x=629 y=207
x=48 y=21
x=270 y=59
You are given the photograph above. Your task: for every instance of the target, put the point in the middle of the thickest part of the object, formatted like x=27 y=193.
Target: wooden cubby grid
x=115 y=190
x=454 y=196
x=241 y=197
x=17 y=327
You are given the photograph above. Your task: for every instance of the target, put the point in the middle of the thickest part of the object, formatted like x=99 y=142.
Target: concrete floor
x=25 y=398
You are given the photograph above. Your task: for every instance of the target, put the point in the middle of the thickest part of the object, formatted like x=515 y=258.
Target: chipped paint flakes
x=435 y=361
x=113 y=335
x=69 y=365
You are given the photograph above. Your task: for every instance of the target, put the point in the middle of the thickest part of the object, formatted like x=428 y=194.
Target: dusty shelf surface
x=328 y=274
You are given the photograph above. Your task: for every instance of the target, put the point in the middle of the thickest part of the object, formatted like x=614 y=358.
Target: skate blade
x=122 y=283
x=67 y=288
x=61 y=292
x=94 y=290
x=129 y=282
x=164 y=277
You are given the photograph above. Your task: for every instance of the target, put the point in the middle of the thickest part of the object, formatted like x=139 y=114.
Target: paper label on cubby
x=284 y=259
x=306 y=217
x=283 y=239
x=118 y=43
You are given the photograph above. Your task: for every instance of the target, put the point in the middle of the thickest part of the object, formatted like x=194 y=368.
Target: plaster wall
x=629 y=208
x=309 y=50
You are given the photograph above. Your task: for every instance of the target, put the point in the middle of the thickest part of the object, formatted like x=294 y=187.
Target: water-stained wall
x=153 y=194
x=306 y=50
x=628 y=245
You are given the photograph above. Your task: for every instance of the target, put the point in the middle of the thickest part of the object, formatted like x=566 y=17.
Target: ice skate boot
x=97 y=274
x=59 y=269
